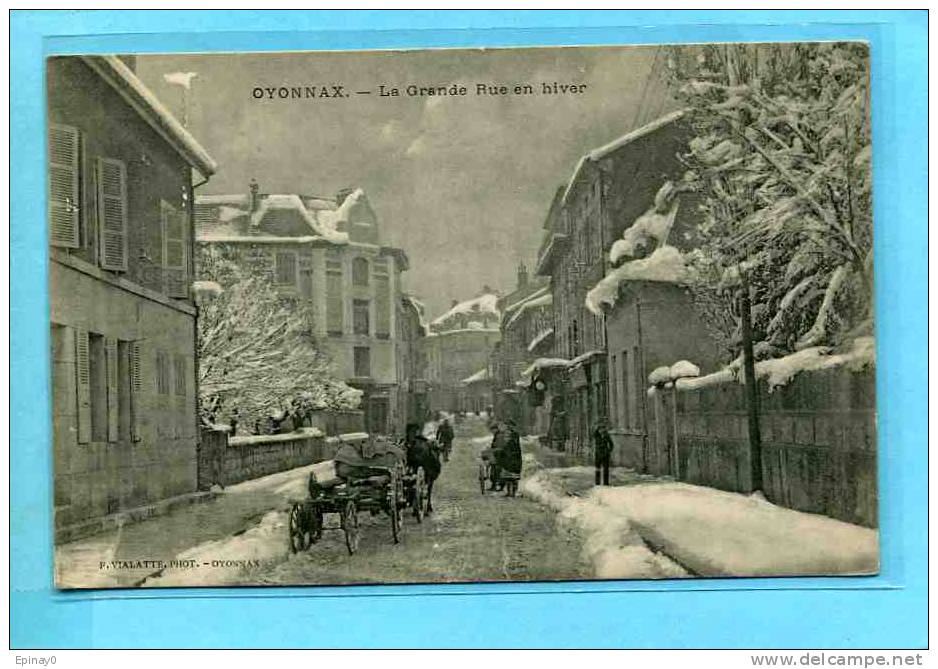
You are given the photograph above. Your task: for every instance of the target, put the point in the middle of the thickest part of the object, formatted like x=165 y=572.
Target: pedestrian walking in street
x=602 y=452
x=445 y=435
x=495 y=450
x=511 y=454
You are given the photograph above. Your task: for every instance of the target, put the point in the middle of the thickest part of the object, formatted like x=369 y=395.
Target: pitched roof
x=120 y=77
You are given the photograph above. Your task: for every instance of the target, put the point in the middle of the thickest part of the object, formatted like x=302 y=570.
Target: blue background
x=884 y=611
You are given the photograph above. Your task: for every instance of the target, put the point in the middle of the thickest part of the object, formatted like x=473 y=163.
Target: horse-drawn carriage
x=368 y=476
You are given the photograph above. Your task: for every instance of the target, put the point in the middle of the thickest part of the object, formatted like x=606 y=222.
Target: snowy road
x=240 y=538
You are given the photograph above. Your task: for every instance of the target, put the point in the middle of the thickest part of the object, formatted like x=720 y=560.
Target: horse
x=423 y=453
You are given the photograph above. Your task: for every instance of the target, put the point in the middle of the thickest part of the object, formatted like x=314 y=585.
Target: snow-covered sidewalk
x=657 y=529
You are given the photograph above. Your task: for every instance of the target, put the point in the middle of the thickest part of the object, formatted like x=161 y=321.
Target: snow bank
x=611 y=546
x=207 y=288
x=250 y=440
x=665 y=265
x=265 y=543
x=717 y=533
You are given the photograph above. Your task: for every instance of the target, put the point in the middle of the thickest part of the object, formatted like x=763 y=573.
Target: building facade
x=123 y=320
x=326 y=254
x=413 y=404
x=458 y=346
x=527 y=334
x=611 y=187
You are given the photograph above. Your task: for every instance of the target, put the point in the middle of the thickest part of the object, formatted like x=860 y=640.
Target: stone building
x=411 y=363
x=527 y=333
x=123 y=321
x=458 y=346
x=327 y=253
x=611 y=187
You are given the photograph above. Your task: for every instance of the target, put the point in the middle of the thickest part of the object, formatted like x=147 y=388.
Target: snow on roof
x=255 y=239
x=616 y=144
x=583 y=357
x=780 y=371
x=464 y=330
x=544 y=299
x=232 y=198
x=116 y=73
x=665 y=265
x=486 y=304
x=539 y=339
x=317 y=221
x=651 y=229
x=481 y=375
x=207 y=287
x=545 y=363
x=331 y=218
x=507 y=309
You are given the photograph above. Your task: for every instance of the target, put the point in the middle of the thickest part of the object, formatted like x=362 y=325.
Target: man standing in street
x=602 y=452
x=511 y=454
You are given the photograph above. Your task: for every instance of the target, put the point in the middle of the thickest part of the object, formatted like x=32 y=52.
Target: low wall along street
x=818 y=441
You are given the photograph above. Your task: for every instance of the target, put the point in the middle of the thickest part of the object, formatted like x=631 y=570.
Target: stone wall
x=818 y=436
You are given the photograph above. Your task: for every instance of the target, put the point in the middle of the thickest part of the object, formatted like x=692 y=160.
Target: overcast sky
x=462 y=184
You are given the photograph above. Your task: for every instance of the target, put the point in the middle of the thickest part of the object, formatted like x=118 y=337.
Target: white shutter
x=174 y=250
x=83 y=385
x=113 y=406
x=63 y=186
x=112 y=214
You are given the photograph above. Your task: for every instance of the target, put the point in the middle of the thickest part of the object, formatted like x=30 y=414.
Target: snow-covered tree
x=781 y=157
x=257 y=355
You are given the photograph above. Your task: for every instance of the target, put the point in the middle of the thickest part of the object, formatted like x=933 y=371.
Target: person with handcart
x=444 y=436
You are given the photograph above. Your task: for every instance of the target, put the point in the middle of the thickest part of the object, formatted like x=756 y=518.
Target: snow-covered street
x=240 y=537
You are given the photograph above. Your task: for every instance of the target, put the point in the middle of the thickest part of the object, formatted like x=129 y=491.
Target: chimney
x=522 y=275
x=255 y=199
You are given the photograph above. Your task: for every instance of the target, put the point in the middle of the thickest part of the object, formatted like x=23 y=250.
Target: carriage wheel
x=397 y=526
x=420 y=493
x=300 y=535
x=350 y=525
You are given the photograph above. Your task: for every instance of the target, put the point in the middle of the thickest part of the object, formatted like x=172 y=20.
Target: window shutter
x=83 y=385
x=174 y=250
x=113 y=410
x=136 y=385
x=112 y=214
x=63 y=186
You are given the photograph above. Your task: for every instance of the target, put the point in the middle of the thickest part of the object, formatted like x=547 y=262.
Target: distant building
x=124 y=384
x=326 y=252
x=411 y=363
x=527 y=328
x=458 y=346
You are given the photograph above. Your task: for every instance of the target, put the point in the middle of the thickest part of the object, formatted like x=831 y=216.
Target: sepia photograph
x=462 y=315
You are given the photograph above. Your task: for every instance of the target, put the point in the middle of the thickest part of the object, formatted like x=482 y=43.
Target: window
x=362 y=361
x=335 y=315
x=382 y=299
x=64 y=224
x=162 y=373
x=360 y=272
x=625 y=375
x=97 y=379
x=613 y=392
x=286 y=268
x=173 y=224
x=179 y=375
x=112 y=214
x=360 y=317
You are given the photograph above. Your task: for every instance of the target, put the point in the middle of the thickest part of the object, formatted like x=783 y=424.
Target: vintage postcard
x=462 y=315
